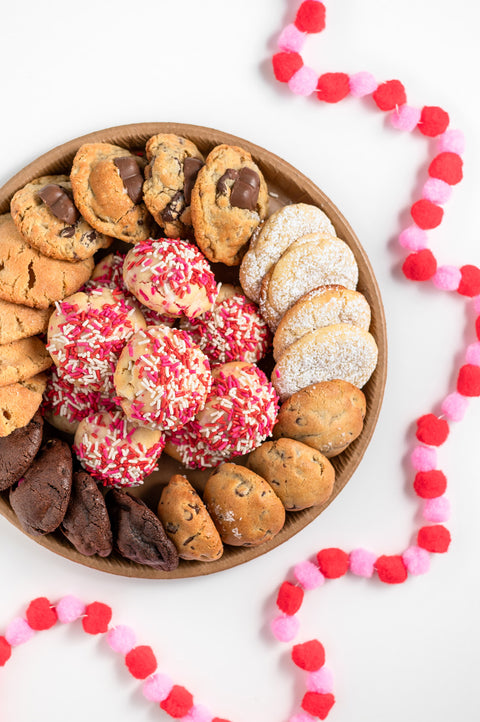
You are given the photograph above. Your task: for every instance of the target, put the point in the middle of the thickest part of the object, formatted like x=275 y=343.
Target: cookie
x=18 y=321
x=229 y=200
x=173 y=165
x=107 y=186
x=41 y=496
x=340 y=351
x=20 y=360
x=86 y=523
x=28 y=277
x=138 y=533
x=279 y=231
x=244 y=508
x=18 y=450
x=47 y=218
x=327 y=416
x=323 y=306
x=187 y=522
x=19 y=403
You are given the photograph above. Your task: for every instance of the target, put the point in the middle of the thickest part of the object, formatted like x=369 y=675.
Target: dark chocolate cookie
x=18 y=450
x=86 y=523
x=138 y=533
x=41 y=498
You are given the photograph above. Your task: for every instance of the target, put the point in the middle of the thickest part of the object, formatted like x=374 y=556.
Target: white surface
x=405 y=652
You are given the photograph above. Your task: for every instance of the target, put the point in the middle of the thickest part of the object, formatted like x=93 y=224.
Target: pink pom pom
x=362 y=84
x=437 y=510
x=452 y=141
x=405 y=117
x=413 y=238
x=309 y=575
x=447 y=278
x=472 y=355
x=302 y=717
x=320 y=681
x=285 y=627
x=304 y=81
x=121 y=639
x=476 y=304
x=362 y=562
x=454 y=406
x=291 y=39
x=424 y=458
x=417 y=560
x=69 y=609
x=198 y=713
x=437 y=191
x=157 y=687
x=18 y=632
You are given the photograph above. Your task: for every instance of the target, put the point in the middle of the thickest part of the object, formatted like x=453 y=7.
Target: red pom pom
x=290 y=598
x=470 y=282
x=434 y=538
x=391 y=569
x=447 y=167
x=333 y=562
x=220 y=719
x=426 y=214
x=310 y=17
x=430 y=484
x=420 y=266
x=40 y=615
x=5 y=651
x=477 y=327
x=433 y=121
x=389 y=95
x=468 y=382
x=332 y=87
x=431 y=430
x=141 y=662
x=309 y=655
x=318 y=704
x=285 y=65
x=97 y=618
x=178 y=703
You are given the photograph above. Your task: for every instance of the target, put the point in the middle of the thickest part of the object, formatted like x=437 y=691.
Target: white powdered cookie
x=340 y=351
x=278 y=232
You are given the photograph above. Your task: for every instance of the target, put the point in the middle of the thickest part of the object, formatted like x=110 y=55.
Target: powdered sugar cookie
x=324 y=306
x=341 y=351
x=277 y=233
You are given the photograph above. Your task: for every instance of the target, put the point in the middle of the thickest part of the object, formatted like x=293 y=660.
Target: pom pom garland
x=18 y=632
x=141 y=662
x=40 y=614
x=431 y=430
x=434 y=539
x=413 y=238
x=405 y=118
x=5 y=651
x=308 y=575
x=437 y=510
x=157 y=687
x=433 y=121
x=178 y=702
x=310 y=17
x=320 y=681
x=389 y=95
x=333 y=562
x=121 y=639
x=468 y=381
x=333 y=87
x=285 y=65
x=309 y=656
x=424 y=458
x=318 y=704
x=447 y=278
x=454 y=406
x=430 y=484
x=437 y=191
x=427 y=215
x=362 y=562
x=290 y=598
x=97 y=618
x=303 y=82
x=416 y=560
x=362 y=84
x=470 y=282
x=420 y=266
x=285 y=627
x=291 y=39
x=391 y=569
x=69 y=609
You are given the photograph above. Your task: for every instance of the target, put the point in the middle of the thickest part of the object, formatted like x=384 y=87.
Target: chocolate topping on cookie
x=62 y=207
x=174 y=208
x=131 y=176
x=18 y=450
x=191 y=166
x=222 y=185
x=245 y=190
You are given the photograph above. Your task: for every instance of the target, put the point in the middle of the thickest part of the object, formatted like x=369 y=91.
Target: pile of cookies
x=152 y=355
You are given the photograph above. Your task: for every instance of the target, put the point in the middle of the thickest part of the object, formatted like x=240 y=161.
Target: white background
x=404 y=652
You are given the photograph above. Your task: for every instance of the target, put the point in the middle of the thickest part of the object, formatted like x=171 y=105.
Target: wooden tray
x=286 y=184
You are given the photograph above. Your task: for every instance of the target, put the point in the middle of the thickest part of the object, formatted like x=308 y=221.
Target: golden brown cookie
x=20 y=360
x=19 y=402
x=28 y=277
x=327 y=416
x=173 y=165
x=299 y=475
x=229 y=200
x=107 y=186
x=244 y=508
x=18 y=321
x=47 y=218
x=187 y=522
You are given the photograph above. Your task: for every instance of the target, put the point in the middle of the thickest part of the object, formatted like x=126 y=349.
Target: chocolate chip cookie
x=20 y=360
x=19 y=402
x=18 y=450
x=86 y=523
x=18 y=321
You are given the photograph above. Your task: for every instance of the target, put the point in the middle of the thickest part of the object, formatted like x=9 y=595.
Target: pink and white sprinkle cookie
x=233 y=330
x=240 y=413
x=162 y=378
x=87 y=333
x=170 y=276
x=116 y=452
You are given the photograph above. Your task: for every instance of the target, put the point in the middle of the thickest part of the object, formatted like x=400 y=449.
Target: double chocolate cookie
x=18 y=450
x=86 y=523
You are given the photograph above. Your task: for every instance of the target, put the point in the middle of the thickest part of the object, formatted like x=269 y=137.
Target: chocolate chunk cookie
x=107 y=186
x=138 y=533
x=19 y=403
x=170 y=175
x=18 y=450
x=86 y=523
x=46 y=216
x=40 y=498
x=229 y=200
